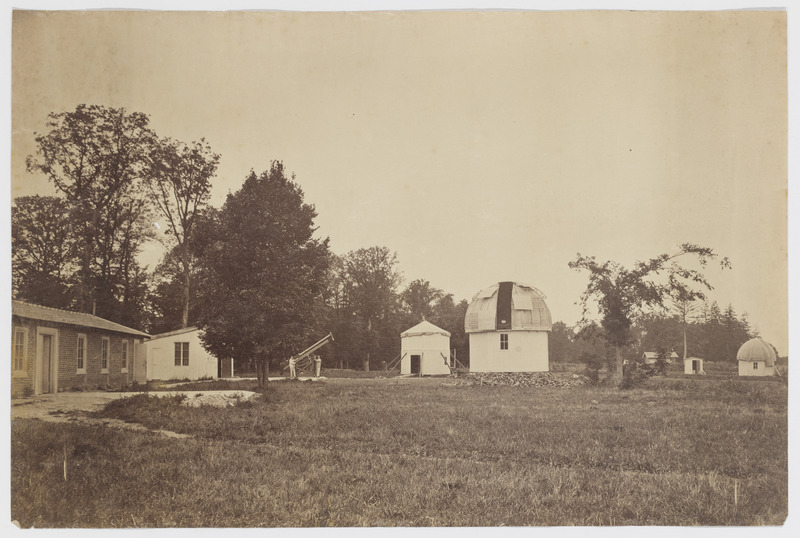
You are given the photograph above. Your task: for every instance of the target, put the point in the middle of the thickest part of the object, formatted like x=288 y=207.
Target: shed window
x=80 y=354
x=124 y=355
x=104 y=356
x=755 y=366
x=181 y=353
x=19 y=350
x=503 y=341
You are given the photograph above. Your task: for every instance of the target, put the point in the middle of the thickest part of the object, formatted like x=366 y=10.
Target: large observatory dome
x=508 y=306
x=755 y=350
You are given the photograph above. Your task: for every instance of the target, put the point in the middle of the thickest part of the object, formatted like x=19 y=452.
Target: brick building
x=55 y=350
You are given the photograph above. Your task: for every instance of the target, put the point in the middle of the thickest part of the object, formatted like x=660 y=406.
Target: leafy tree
x=418 y=300
x=449 y=315
x=42 y=250
x=592 y=349
x=166 y=296
x=261 y=271
x=97 y=157
x=561 y=342
x=372 y=281
x=620 y=293
x=180 y=184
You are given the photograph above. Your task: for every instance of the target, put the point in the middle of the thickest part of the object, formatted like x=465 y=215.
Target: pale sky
x=480 y=146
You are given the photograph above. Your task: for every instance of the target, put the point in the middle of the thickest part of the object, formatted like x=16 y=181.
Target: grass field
x=386 y=452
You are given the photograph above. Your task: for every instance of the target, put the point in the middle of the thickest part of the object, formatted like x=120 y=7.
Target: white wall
x=431 y=347
x=687 y=366
x=161 y=358
x=527 y=352
x=746 y=368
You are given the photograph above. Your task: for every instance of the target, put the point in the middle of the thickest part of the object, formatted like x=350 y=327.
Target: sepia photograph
x=447 y=266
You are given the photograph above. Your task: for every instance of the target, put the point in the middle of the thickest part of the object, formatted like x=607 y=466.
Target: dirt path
x=77 y=406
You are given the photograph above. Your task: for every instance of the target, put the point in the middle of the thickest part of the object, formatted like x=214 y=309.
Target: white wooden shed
x=425 y=350
x=179 y=355
x=508 y=325
x=756 y=358
x=693 y=365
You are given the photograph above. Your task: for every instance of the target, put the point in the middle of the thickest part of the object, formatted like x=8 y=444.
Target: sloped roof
x=54 y=315
x=654 y=355
x=176 y=332
x=422 y=329
x=757 y=349
x=527 y=306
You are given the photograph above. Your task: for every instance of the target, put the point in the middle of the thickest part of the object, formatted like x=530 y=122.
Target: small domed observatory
x=508 y=326
x=756 y=357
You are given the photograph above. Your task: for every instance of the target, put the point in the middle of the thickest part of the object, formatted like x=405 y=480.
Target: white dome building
x=756 y=357
x=508 y=326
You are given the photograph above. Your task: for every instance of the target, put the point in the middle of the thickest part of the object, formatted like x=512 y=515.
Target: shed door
x=415 y=363
x=47 y=364
x=695 y=366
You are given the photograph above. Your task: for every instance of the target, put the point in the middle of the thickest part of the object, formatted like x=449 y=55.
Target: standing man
x=292 y=372
x=317 y=364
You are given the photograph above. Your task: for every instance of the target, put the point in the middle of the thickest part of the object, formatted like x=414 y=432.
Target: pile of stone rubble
x=521 y=379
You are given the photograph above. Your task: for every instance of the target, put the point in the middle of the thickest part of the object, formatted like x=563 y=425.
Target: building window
x=182 y=353
x=124 y=355
x=503 y=341
x=20 y=346
x=81 y=354
x=755 y=366
x=104 y=355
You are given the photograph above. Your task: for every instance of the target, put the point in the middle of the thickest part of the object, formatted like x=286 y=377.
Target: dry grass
x=386 y=453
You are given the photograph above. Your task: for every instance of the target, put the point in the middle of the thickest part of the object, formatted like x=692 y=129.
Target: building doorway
x=47 y=354
x=415 y=364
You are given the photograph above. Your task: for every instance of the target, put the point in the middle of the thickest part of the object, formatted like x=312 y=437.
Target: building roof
x=424 y=328
x=508 y=306
x=757 y=349
x=176 y=332
x=654 y=355
x=54 y=315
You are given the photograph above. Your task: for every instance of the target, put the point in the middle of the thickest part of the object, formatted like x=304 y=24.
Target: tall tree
x=684 y=308
x=261 y=272
x=561 y=342
x=449 y=315
x=373 y=281
x=42 y=250
x=620 y=293
x=97 y=157
x=180 y=184
x=418 y=300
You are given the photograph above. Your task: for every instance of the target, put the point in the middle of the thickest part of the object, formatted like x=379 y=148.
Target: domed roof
x=423 y=328
x=757 y=350
x=508 y=306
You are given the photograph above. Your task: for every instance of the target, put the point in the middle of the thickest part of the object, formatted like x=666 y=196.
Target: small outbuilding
x=425 y=350
x=693 y=365
x=179 y=355
x=508 y=325
x=756 y=358
x=651 y=357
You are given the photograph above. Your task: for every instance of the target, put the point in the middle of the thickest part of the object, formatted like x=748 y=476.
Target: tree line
x=251 y=274
x=710 y=333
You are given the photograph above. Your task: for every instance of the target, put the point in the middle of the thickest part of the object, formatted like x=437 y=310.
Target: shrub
x=634 y=374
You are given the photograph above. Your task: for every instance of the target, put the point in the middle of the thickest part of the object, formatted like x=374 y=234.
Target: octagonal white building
x=508 y=325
